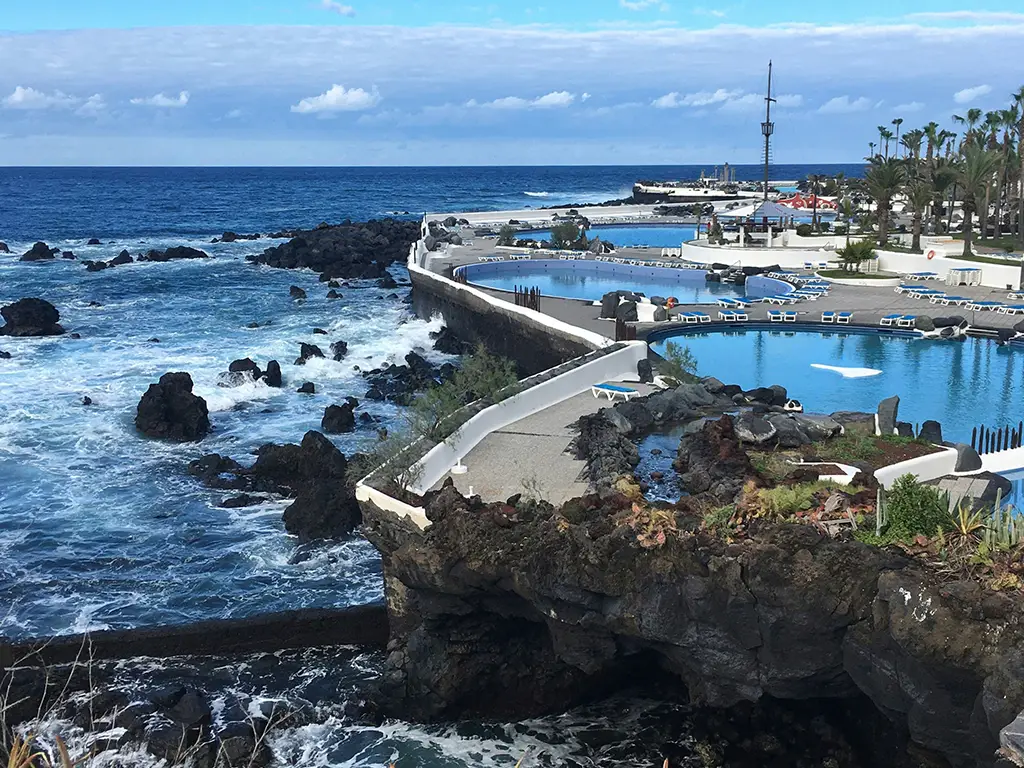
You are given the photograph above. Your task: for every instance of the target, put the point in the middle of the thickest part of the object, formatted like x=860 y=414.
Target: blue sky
x=385 y=82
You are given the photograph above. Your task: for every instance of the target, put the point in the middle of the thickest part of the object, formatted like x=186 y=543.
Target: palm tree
x=812 y=180
x=970 y=120
x=847 y=209
x=919 y=196
x=898 y=122
x=885 y=135
x=975 y=177
x=931 y=133
x=884 y=179
x=912 y=141
x=1008 y=122
x=872 y=145
x=943 y=177
x=1018 y=99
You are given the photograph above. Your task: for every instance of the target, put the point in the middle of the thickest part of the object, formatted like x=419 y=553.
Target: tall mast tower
x=767 y=129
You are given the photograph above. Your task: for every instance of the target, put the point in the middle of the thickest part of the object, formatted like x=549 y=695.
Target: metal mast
x=767 y=129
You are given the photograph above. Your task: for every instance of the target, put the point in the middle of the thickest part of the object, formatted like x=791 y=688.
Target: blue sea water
x=102 y=528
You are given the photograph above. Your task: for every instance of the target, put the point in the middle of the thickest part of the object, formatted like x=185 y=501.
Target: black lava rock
x=170 y=411
x=30 y=317
x=94 y=241
x=5 y=355
x=447 y=342
x=338 y=419
x=240 y=501
x=39 y=252
x=173 y=254
x=296 y=293
x=387 y=282
x=307 y=389
x=319 y=331
x=122 y=258
x=338 y=350
x=333 y=294
x=307 y=351
x=272 y=377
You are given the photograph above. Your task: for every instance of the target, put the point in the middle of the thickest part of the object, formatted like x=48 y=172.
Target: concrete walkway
x=529 y=456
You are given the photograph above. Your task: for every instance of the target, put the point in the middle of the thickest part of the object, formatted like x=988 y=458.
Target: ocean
x=100 y=528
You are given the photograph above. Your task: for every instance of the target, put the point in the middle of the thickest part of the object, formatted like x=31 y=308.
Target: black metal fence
x=527 y=297
x=993 y=440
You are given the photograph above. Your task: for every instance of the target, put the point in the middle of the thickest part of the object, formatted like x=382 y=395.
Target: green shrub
x=913 y=509
x=506 y=235
x=804 y=230
x=782 y=502
x=719 y=518
x=680 y=362
x=564 y=234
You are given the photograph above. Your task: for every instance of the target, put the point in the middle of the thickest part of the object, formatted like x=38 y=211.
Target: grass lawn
x=1006 y=243
x=840 y=274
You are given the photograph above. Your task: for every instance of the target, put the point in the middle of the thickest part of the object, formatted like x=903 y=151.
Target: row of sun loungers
x=733 y=315
x=815 y=265
x=840 y=318
x=781 y=316
x=921 y=276
x=973 y=305
x=900 y=321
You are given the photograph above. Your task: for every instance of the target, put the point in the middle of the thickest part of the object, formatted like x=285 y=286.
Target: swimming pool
x=652 y=235
x=590 y=280
x=960 y=384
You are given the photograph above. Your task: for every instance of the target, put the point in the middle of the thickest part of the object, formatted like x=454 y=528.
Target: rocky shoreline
x=553 y=606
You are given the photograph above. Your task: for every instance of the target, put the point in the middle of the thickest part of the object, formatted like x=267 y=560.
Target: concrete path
x=529 y=456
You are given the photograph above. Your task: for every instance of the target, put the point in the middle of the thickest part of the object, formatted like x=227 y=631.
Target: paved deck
x=529 y=456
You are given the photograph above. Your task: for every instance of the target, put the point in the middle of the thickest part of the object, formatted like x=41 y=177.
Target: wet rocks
x=931 y=431
x=121 y=259
x=307 y=352
x=94 y=241
x=400 y=383
x=240 y=372
x=5 y=355
x=218 y=471
x=339 y=419
x=447 y=342
x=387 y=283
x=241 y=501
x=333 y=294
x=30 y=317
x=753 y=429
x=348 y=250
x=4 y=248
x=39 y=252
x=296 y=293
x=170 y=411
x=272 y=376
x=68 y=255
x=338 y=350
x=308 y=388
x=174 y=254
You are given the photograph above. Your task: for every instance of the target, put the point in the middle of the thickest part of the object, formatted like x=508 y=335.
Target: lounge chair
x=809 y=295
x=979 y=306
x=789 y=316
x=844 y=318
x=957 y=300
x=727 y=315
x=688 y=317
x=828 y=317
x=775 y=315
x=1015 y=295
x=1011 y=309
x=905 y=288
x=726 y=302
x=611 y=391
x=889 y=320
x=703 y=317
x=906 y=321
x=742 y=303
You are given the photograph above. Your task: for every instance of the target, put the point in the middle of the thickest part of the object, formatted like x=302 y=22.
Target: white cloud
x=338 y=8
x=978 y=17
x=910 y=106
x=92 y=107
x=234 y=114
x=643 y=5
x=30 y=98
x=967 y=95
x=339 y=99
x=727 y=100
x=584 y=97
x=163 y=101
x=555 y=99
x=842 y=105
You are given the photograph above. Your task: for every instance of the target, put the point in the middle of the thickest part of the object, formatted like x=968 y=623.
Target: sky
x=409 y=82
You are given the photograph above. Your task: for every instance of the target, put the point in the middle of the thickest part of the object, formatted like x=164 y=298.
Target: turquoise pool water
x=653 y=235
x=960 y=384
x=590 y=280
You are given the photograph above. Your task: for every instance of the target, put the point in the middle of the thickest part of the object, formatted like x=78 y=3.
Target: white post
x=769 y=235
x=742 y=235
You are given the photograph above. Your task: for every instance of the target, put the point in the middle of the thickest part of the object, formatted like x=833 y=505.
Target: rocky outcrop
x=30 y=317
x=174 y=254
x=711 y=461
x=40 y=252
x=347 y=250
x=339 y=419
x=551 y=607
x=4 y=248
x=169 y=411
x=447 y=342
x=313 y=473
x=400 y=383
x=308 y=352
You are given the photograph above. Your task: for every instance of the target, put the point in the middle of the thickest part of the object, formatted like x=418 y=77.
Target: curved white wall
x=992 y=275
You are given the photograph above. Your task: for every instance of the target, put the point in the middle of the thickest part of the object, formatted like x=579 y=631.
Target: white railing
x=614 y=366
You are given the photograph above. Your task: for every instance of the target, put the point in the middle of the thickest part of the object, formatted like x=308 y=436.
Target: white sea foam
x=848 y=373
x=537 y=194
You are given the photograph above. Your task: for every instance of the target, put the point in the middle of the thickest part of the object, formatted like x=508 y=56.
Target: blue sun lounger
x=731 y=315
x=775 y=315
x=828 y=317
x=906 y=321
x=889 y=319
x=611 y=391
x=1011 y=309
x=844 y=318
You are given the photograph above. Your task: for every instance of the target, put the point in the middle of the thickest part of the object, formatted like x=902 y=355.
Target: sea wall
x=533 y=340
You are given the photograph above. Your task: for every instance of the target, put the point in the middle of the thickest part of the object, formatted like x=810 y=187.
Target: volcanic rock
x=122 y=258
x=4 y=248
x=307 y=388
x=39 y=252
x=30 y=317
x=272 y=376
x=447 y=342
x=711 y=461
x=173 y=254
x=855 y=423
x=754 y=429
x=296 y=293
x=924 y=323
x=168 y=410
x=888 y=411
x=5 y=355
x=69 y=255
x=931 y=431
x=307 y=351
x=94 y=241
x=338 y=419
x=240 y=501
x=333 y=294
x=338 y=350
